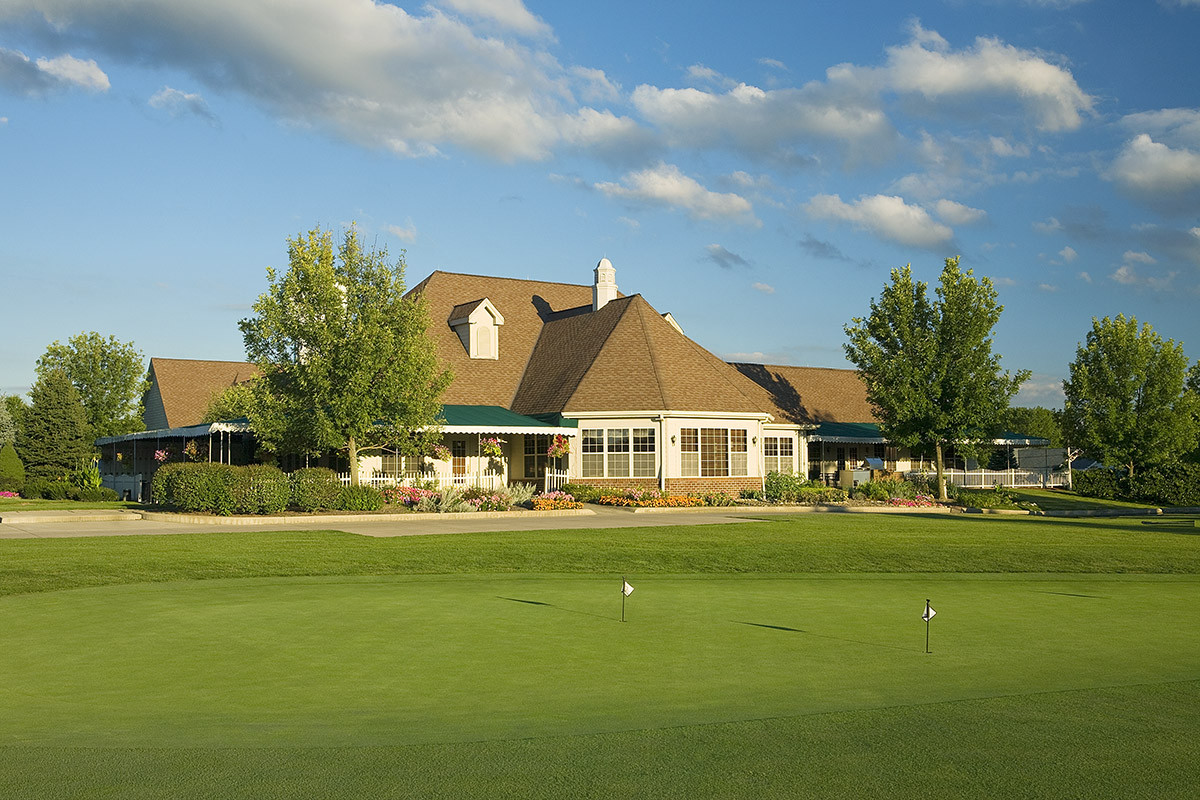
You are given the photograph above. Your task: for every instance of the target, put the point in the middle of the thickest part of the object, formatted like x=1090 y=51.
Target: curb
x=85 y=515
x=1009 y=511
x=1099 y=512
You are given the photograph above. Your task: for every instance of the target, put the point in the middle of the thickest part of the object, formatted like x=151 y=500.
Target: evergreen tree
x=53 y=437
x=8 y=427
x=12 y=471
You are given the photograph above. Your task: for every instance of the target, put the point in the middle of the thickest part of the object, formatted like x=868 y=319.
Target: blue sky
x=756 y=169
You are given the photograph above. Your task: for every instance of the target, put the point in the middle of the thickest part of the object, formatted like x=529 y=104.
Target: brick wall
x=703 y=485
x=618 y=483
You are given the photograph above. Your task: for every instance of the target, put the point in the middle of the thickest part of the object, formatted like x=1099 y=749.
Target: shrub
x=405 y=495
x=521 y=494
x=203 y=487
x=820 y=495
x=261 y=489
x=752 y=494
x=315 y=489
x=783 y=487
x=718 y=499
x=98 y=494
x=877 y=491
x=1175 y=485
x=12 y=471
x=987 y=498
x=34 y=488
x=586 y=493
x=360 y=498
x=1103 y=484
x=161 y=486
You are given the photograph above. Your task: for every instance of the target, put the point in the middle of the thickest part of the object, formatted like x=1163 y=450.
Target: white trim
x=746 y=415
x=509 y=429
x=191 y=431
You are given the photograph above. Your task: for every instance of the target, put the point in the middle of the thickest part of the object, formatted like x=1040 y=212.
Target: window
x=644 y=462
x=738 y=452
x=714 y=452
x=535 y=455
x=458 y=460
x=777 y=453
x=393 y=464
x=618 y=452
x=689 y=452
x=592 y=447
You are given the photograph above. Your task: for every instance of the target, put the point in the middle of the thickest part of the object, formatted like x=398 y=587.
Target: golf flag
x=626 y=589
x=929 y=612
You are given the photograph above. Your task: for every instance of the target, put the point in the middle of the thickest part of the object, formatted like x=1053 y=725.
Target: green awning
x=497 y=419
x=847 y=432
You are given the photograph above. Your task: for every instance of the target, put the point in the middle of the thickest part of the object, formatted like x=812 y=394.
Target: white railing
x=489 y=481
x=555 y=479
x=124 y=485
x=987 y=478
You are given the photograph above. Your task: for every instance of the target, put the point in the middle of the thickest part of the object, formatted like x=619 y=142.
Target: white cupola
x=604 y=288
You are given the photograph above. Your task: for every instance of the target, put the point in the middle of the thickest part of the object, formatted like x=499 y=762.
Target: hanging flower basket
x=491 y=447
x=559 y=446
x=441 y=452
x=162 y=455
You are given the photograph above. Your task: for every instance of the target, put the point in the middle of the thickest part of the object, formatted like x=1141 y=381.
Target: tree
x=109 y=376
x=12 y=471
x=928 y=366
x=8 y=428
x=16 y=408
x=234 y=402
x=1125 y=398
x=345 y=357
x=1043 y=423
x=53 y=440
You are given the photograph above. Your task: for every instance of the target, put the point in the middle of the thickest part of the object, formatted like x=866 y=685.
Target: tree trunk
x=352 y=454
x=941 y=471
x=1130 y=470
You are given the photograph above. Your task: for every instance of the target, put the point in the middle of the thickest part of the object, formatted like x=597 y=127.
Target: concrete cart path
x=16 y=527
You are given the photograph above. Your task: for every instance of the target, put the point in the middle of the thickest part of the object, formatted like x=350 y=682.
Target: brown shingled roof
x=627 y=357
x=812 y=394
x=185 y=387
x=524 y=304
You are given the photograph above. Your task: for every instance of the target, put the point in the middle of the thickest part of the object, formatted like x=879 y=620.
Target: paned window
x=714 y=452
x=644 y=463
x=689 y=452
x=535 y=455
x=738 y=452
x=777 y=453
x=618 y=452
x=458 y=460
x=592 y=447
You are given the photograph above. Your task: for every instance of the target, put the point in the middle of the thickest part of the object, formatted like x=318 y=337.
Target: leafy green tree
x=53 y=440
x=1044 y=423
x=1125 y=398
x=928 y=365
x=110 y=377
x=16 y=408
x=8 y=428
x=346 y=359
x=234 y=402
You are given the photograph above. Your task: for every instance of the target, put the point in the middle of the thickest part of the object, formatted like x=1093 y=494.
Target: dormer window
x=477 y=325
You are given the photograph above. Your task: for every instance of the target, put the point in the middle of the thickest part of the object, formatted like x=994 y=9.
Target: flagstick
x=927 y=624
x=622 y=598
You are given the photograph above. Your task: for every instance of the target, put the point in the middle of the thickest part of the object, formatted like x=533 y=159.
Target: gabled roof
x=181 y=389
x=812 y=394
x=627 y=357
x=524 y=304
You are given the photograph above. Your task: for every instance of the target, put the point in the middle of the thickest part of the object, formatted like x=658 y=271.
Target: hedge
x=315 y=489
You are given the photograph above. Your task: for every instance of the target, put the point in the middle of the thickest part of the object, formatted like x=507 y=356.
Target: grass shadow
x=556 y=608
x=820 y=635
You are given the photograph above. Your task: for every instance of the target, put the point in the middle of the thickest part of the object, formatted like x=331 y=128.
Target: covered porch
x=128 y=462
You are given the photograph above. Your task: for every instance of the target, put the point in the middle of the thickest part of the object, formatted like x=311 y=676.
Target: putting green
x=405 y=660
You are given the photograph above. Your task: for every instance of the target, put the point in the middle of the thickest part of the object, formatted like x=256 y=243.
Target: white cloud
x=405 y=233
x=1068 y=254
x=968 y=80
x=511 y=14
x=1047 y=287
x=1049 y=225
x=773 y=63
x=666 y=185
x=1005 y=149
x=1085 y=277
x=957 y=213
x=762 y=287
x=1179 y=126
x=1004 y=281
x=1158 y=175
x=370 y=72
x=178 y=103
x=595 y=85
x=20 y=74
x=1132 y=257
x=1125 y=274
x=886 y=216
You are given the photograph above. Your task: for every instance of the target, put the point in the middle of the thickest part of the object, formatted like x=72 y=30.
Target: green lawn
x=771 y=659
x=1063 y=500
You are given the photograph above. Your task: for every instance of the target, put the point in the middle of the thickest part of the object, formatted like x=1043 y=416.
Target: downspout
x=662 y=453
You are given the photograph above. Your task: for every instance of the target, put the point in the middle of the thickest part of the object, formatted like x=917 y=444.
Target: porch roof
x=868 y=432
x=241 y=425
x=497 y=419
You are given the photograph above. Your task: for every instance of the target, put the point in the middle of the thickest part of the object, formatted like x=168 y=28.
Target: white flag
x=626 y=589
x=929 y=613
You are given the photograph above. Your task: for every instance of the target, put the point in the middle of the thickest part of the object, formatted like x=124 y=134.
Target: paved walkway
x=25 y=525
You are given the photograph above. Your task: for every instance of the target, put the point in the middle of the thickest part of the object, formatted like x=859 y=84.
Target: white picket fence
x=555 y=479
x=987 y=478
x=487 y=481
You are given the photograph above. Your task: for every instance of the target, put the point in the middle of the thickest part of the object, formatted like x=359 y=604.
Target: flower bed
x=555 y=501
x=405 y=495
x=920 y=501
